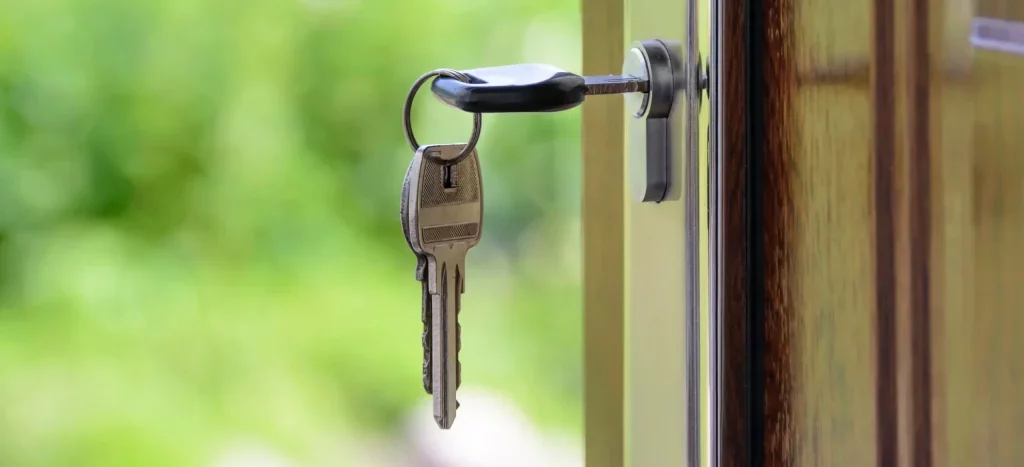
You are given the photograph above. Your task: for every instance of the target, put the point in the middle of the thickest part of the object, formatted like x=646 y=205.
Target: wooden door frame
x=603 y=241
x=736 y=311
x=752 y=317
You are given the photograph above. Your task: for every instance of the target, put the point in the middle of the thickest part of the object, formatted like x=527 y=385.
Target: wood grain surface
x=738 y=398
x=874 y=220
x=977 y=267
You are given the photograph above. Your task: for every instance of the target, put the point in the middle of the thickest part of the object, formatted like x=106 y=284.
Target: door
x=860 y=299
x=868 y=261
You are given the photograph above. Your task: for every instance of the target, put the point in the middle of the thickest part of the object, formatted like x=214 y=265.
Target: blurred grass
x=199 y=238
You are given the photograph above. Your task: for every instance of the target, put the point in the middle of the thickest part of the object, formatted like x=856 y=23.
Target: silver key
x=445 y=214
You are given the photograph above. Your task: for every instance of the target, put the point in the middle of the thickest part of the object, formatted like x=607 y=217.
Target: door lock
x=653 y=78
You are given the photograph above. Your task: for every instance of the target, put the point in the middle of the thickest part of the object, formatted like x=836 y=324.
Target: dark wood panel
x=731 y=239
x=879 y=194
x=825 y=235
x=772 y=163
x=920 y=21
x=803 y=311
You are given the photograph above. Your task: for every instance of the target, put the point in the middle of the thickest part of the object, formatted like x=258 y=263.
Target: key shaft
x=614 y=84
x=445 y=338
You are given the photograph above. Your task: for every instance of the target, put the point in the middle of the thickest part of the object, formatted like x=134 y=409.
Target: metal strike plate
x=650 y=119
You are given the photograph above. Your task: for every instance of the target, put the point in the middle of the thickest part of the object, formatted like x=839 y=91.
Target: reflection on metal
x=999 y=35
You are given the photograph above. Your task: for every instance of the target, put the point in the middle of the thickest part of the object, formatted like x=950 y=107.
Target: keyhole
x=449 y=177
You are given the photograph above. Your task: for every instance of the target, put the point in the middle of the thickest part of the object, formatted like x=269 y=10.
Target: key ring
x=407 y=113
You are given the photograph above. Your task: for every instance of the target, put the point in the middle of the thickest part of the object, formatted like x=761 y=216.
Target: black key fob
x=514 y=88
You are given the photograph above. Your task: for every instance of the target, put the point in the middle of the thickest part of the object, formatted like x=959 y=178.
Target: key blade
x=444 y=348
x=615 y=84
x=425 y=317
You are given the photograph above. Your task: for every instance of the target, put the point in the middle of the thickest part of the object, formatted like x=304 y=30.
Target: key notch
x=450 y=177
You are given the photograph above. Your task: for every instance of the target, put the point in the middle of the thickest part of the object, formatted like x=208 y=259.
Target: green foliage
x=199 y=238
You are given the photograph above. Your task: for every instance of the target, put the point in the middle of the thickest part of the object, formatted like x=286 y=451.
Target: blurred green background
x=199 y=236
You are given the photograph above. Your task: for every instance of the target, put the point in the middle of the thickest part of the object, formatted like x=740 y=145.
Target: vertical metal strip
x=693 y=208
x=715 y=259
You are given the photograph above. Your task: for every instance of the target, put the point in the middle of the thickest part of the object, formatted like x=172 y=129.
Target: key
x=444 y=219
x=529 y=87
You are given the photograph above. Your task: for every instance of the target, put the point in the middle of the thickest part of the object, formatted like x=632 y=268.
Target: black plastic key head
x=525 y=87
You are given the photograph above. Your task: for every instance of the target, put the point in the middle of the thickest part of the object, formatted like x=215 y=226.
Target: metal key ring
x=407 y=113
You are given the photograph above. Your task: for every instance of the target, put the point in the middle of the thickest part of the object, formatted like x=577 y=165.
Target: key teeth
x=427 y=373
x=421 y=268
x=458 y=364
x=425 y=339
